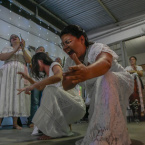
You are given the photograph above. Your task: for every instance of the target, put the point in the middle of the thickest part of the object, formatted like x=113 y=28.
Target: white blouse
x=129 y=68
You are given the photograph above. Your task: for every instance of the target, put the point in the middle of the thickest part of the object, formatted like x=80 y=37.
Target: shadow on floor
x=136 y=142
x=66 y=142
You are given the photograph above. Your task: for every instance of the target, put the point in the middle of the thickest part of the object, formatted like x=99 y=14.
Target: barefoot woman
x=58 y=108
x=15 y=58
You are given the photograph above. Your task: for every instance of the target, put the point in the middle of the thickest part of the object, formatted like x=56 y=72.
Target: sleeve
x=96 y=49
x=5 y=50
x=51 y=73
x=128 y=68
x=139 y=68
x=55 y=63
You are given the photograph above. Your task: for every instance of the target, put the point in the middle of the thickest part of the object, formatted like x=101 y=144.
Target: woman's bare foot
x=17 y=127
x=44 y=137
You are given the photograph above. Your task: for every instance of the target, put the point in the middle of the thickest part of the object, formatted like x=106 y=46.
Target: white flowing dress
x=58 y=109
x=12 y=104
x=109 y=96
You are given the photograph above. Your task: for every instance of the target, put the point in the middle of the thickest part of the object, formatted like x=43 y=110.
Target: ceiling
x=135 y=46
x=91 y=15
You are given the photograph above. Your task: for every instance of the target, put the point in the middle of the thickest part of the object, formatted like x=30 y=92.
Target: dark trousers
x=35 y=103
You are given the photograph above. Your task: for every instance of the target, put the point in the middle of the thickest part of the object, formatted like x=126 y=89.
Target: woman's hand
x=22 y=44
x=27 y=90
x=77 y=73
x=23 y=75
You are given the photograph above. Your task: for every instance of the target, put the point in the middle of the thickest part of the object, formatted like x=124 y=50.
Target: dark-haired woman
x=108 y=85
x=15 y=58
x=137 y=73
x=58 y=108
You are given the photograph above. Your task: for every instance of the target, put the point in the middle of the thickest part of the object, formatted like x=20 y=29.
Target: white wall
x=118 y=33
x=33 y=34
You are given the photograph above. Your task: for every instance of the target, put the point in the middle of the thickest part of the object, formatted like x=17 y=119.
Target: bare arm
x=25 y=76
x=26 y=55
x=139 y=72
x=57 y=70
x=41 y=85
x=5 y=56
x=80 y=72
x=31 y=80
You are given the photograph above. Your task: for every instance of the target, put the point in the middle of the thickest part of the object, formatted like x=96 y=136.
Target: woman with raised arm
x=15 y=58
x=58 y=108
x=94 y=65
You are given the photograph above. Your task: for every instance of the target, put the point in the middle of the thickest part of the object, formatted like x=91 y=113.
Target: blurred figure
x=40 y=49
x=58 y=59
x=15 y=58
x=47 y=53
x=35 y=94
x=137 y=73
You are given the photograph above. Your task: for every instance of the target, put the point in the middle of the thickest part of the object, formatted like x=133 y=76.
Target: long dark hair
x=35 y=66
x=76 y=31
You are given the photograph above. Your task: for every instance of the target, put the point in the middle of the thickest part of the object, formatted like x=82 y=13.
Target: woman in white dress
x=107 y=83
x=137 y=73
x=58 y=108
x=15 y=58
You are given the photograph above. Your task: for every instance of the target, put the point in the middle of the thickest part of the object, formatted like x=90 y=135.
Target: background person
x=15 y=58
x=106 y=82
x=136 y=96
x=58 y=59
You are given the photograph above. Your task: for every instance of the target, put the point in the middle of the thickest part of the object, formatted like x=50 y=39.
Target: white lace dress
x=109 y=95
x=58 y=109
x=12 y=104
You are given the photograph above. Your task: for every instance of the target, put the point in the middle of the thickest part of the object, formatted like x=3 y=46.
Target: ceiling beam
x=108 y=12
x=58 y=20
x=45 y=14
